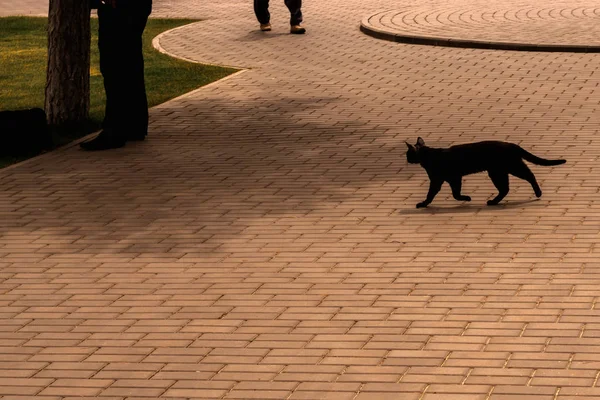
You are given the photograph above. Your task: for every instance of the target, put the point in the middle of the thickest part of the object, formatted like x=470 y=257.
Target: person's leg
x=295 y=7
x=122 y=67
x=261 y=10
x=109 y=44
x=135 y=120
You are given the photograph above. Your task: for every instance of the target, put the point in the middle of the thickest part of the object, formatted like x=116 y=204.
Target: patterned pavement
x=23 y=7
x=263 y=243
x=561 y=25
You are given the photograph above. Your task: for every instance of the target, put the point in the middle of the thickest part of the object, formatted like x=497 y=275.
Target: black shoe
x=103 y=141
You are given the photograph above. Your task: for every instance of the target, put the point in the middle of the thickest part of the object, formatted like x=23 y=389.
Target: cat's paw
x=422 y=204
x=466 y=198
x=492 y=203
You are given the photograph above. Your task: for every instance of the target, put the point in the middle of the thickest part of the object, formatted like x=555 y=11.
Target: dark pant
x=122 y=66
x=261 y=9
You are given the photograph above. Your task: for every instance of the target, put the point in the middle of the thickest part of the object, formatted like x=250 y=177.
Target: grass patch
x=23 y=59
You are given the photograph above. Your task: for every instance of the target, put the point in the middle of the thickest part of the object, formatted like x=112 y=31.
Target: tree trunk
x=68 y=73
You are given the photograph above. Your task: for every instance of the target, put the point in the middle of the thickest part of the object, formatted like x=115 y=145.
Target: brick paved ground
x=23 y=7
x=565 y=23
x=263 y=243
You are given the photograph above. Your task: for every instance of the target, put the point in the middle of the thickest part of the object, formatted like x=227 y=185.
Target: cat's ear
x=420 y=142
x=410 y=146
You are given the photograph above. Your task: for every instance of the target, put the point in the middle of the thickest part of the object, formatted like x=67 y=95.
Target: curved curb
x=156 y=44
x=158 y=47
x=370 y=30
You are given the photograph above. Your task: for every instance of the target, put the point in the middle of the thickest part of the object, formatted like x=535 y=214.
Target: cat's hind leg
x=456 y=185
x=500 y=180
x=434 y=188
x=522 y=171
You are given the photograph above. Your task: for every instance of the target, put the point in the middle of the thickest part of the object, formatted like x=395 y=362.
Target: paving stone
x=504 y=24
x=263 y=241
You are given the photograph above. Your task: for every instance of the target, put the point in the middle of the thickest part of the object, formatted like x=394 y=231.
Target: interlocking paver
x=504 y=24
x=263 y=242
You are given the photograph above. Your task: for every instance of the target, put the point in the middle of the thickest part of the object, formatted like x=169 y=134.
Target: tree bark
x=68 y=71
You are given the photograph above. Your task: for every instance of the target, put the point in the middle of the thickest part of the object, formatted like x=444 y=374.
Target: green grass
x=23 y=58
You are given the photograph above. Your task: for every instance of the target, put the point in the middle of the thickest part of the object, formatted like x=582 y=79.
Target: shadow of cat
x=468 y=207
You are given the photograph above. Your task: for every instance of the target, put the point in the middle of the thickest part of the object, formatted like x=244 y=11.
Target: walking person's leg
x=295 y=7
x=261 y=10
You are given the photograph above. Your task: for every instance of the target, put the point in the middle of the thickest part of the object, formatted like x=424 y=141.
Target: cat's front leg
x=456 y=185
x=434 y=188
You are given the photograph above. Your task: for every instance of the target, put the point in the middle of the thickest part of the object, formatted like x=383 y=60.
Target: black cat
x=451 y=164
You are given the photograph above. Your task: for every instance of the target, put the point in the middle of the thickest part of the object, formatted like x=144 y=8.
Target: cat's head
x=412 y=154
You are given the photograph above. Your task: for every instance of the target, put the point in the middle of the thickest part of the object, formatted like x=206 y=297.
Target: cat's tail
x=540 y=161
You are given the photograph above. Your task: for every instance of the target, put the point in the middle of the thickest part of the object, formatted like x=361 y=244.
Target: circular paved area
x=263 y=242
x=555 y=26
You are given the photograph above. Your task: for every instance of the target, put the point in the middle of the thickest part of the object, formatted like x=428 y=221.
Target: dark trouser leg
x=295 y=11
x=122 y=67
x=109 y=47
x=261 y=10
x=138 y=122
